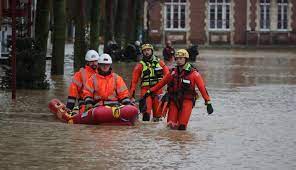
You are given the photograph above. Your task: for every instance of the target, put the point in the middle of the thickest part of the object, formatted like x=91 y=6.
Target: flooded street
x=253 y=125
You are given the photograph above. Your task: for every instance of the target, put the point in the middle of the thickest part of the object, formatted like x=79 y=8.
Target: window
x=264 y=14
x=219 y=14
x=282 y=23
x=175 y=14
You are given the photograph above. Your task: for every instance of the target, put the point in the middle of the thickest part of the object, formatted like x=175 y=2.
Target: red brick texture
x=197 y=24
x=154 y=8
x=240 y=20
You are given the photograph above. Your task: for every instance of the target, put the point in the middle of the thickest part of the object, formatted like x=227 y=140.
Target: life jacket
x=181 y=87
x=78 y=83
x=106 y=90
x=152 y=72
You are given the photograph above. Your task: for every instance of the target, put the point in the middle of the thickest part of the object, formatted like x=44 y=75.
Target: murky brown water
x=253 y=126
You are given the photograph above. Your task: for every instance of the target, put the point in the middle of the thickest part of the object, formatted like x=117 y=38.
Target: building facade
x=227 y=22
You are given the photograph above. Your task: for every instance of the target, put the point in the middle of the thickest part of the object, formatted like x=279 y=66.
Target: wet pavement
x=253 y=125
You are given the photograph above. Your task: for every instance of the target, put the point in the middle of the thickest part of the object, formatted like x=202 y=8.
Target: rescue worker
x=106 y=87
x=150 y=70
x=79 y=79
x=181 y=90
x=169 y=52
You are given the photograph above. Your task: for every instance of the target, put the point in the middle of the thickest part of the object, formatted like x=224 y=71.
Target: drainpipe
x=29 y=17
x=13 y=38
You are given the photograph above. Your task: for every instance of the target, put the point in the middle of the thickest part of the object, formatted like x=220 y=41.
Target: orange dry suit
x=182 y=94
x=108 y=89
x=76 y=87
x=150 y=72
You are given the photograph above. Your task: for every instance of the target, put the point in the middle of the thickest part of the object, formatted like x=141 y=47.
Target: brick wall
x=155 y=22
x=240 y=20
x=197 y=21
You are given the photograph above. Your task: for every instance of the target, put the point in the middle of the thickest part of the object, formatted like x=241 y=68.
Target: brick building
x=228 y=22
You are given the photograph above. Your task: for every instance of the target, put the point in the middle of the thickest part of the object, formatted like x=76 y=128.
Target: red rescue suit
x=149 y=80
x=182 y=94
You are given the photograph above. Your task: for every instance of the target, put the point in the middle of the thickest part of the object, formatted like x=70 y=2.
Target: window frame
x=266 y=5
x=281 y=5
x=178 y=4
x=224 y=5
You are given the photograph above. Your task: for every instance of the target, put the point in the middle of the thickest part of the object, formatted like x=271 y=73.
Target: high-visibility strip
x=80 y=102
x=83 y=76
x=95 y=83
x=90 y=89
x=97 y=97
x=112 y=97
x=71 y=100
x=110 y=102
x=121 y=89
x=88 y=99
x=115 y=82
x=125 y=100
x=79 y=84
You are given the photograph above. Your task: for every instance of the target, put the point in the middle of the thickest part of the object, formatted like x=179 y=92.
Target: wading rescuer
x=106 y=87
x=181 y=91
x=80 y=77
x=150 y=70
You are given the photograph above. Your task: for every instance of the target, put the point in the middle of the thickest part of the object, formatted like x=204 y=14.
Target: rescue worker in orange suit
x=106 y=87
x=150 y=70
x=79 y=79
x=181 y=90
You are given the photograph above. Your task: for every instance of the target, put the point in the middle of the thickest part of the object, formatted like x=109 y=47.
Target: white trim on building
x=219 y=15
x=175 y=15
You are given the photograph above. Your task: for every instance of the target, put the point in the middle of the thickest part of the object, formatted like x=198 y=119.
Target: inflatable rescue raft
x=103 y=115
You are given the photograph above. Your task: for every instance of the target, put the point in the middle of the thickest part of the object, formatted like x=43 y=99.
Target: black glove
x=126 y=101
x=148 y=93
x=210 y=109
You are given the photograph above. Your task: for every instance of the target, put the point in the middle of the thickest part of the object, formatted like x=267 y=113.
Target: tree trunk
x=42 y=29
x=94 y=25
x=122 y=20
x=111 y=6
x=79 y=44
x=139 y=19
x=57 y=61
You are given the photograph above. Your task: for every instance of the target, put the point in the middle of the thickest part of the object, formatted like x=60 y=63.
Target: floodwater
x=253 y=125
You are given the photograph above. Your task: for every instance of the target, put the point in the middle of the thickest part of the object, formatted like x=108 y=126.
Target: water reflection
x=254 y=96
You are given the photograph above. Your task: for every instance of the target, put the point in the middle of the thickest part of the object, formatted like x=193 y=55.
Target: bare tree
x=59 y=28
x=80 y=42
x=94 y=24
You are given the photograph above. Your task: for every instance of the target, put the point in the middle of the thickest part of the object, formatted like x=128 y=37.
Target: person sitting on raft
x=106 y=87
x=79 y=79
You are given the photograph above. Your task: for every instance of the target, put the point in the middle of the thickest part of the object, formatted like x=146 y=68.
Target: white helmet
x=91 y=55
x=105 y=59
x=137 y=43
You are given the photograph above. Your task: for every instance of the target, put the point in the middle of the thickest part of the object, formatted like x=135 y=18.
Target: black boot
x=182 y=127
x=146 y=117
x=156 y=119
